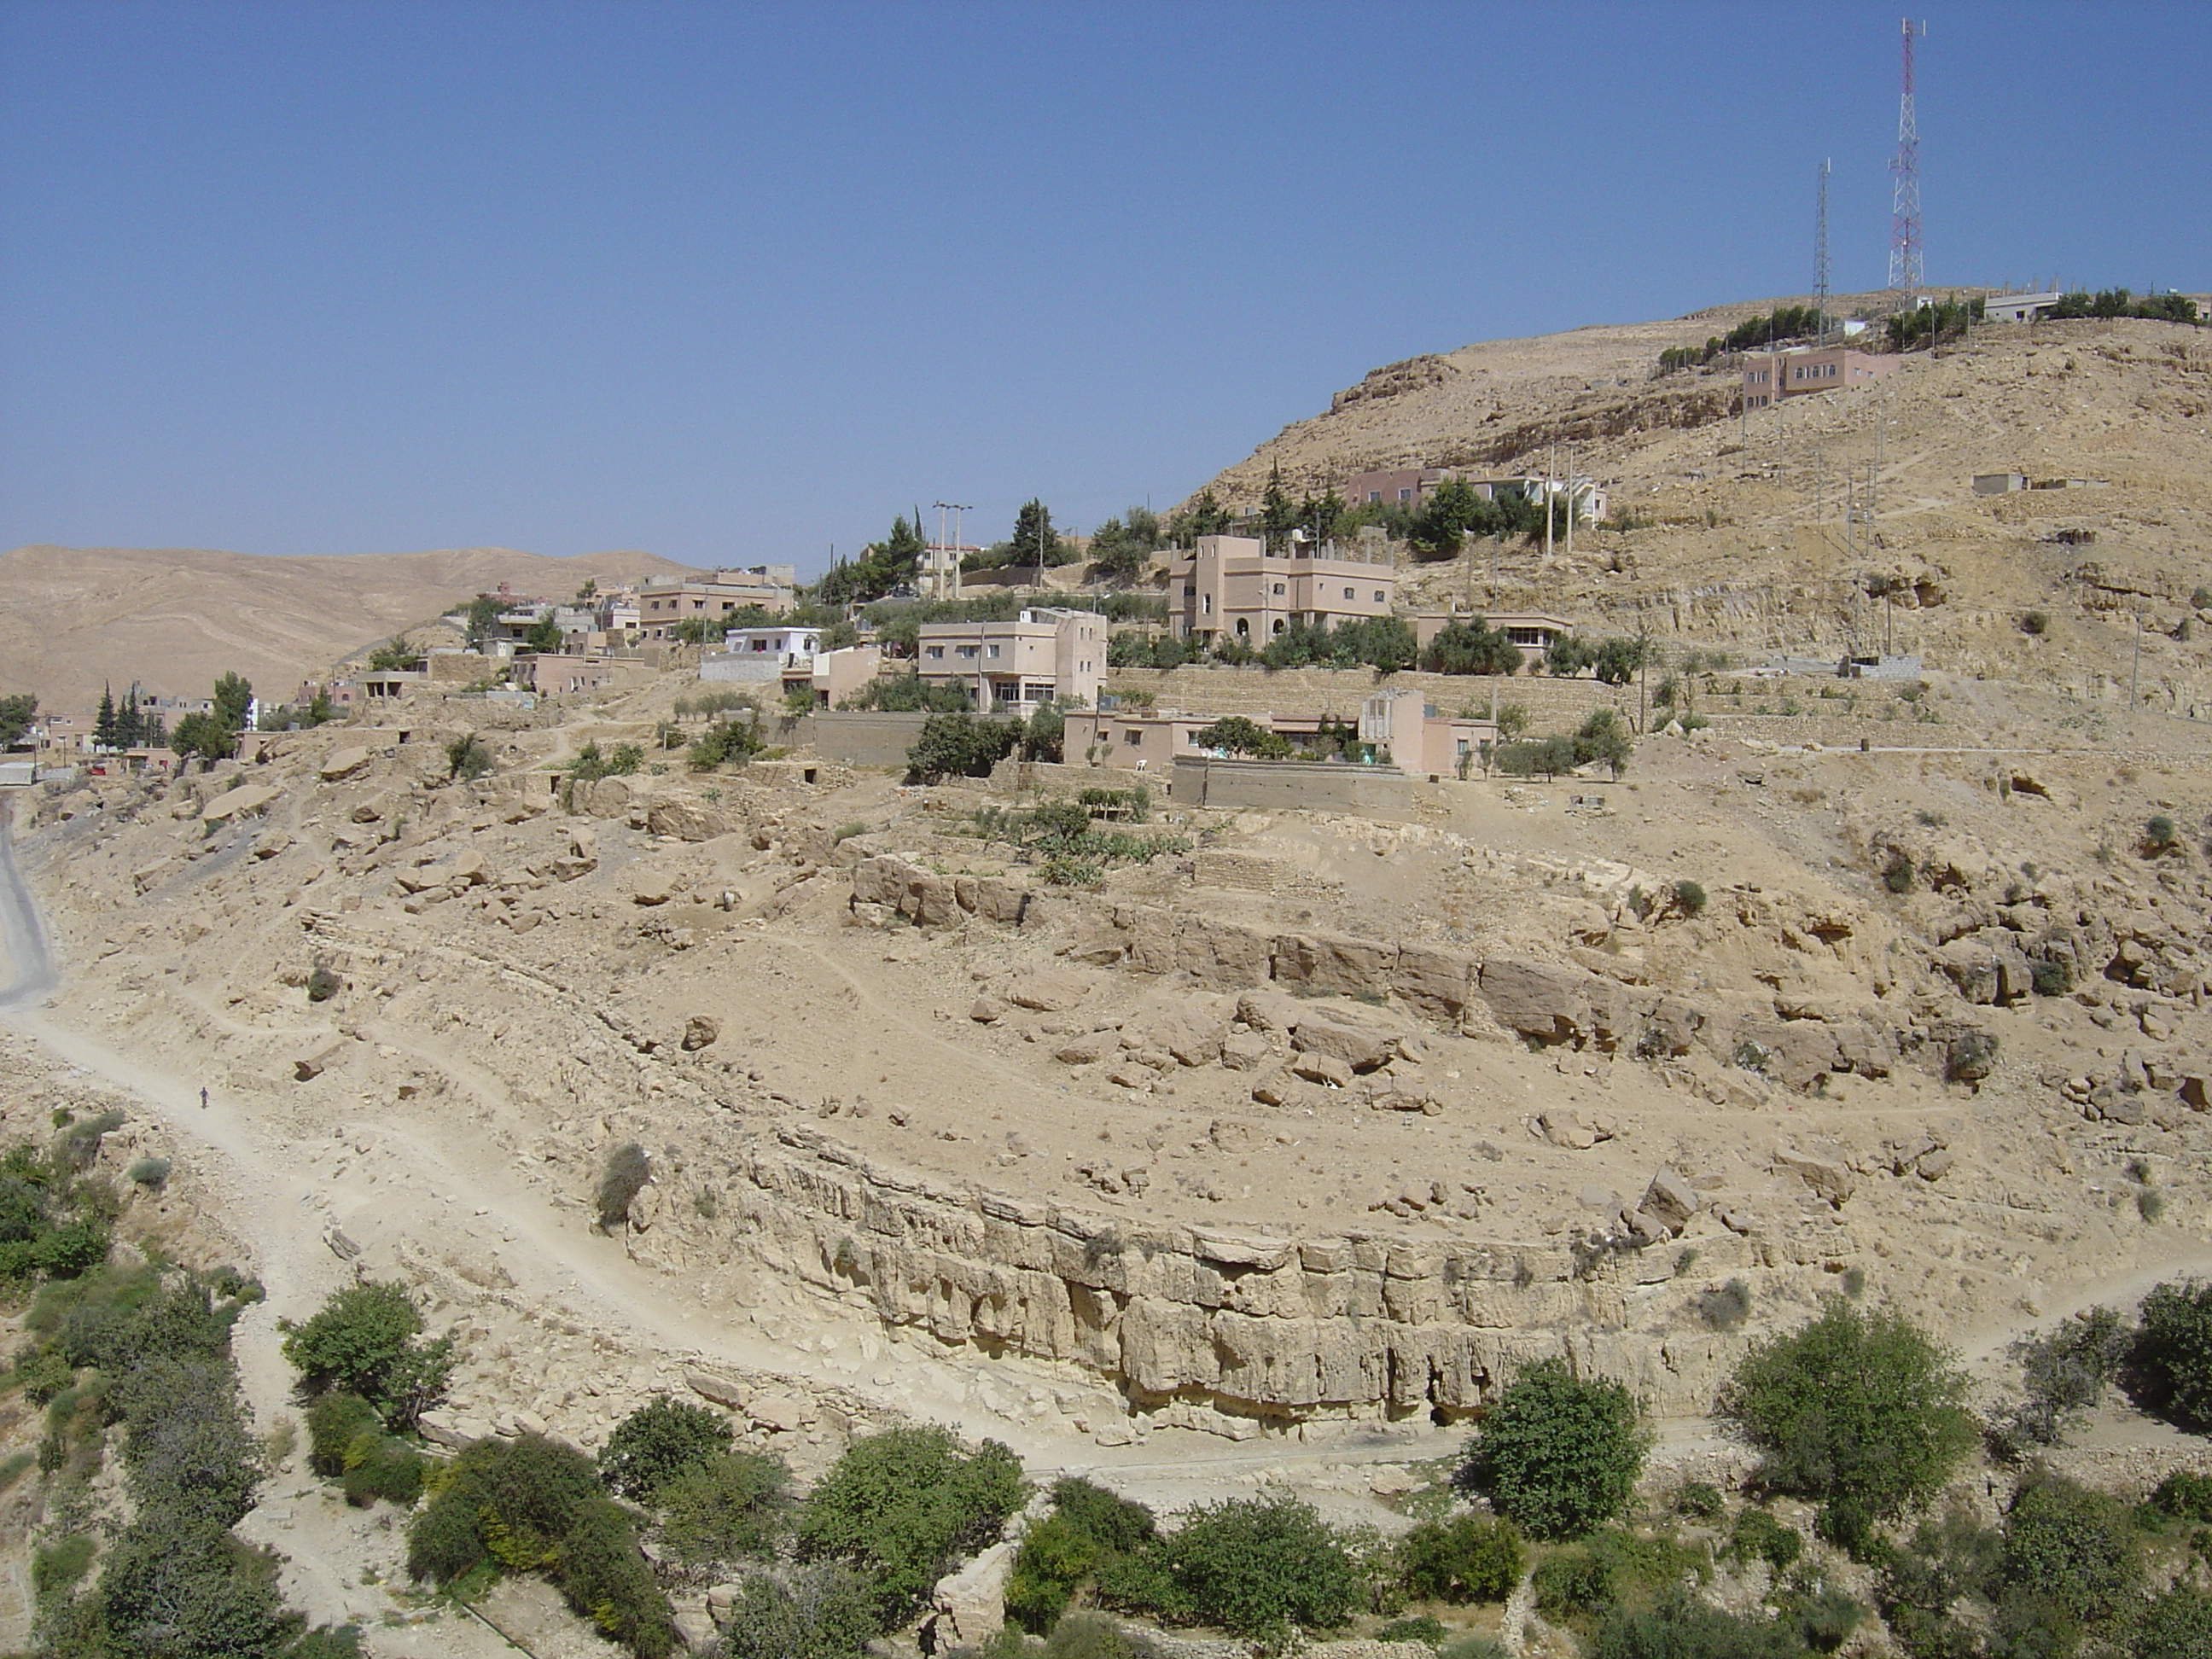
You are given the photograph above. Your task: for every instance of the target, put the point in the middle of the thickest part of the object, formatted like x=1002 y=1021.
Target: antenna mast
x=1821 y=256
x=1906 y=274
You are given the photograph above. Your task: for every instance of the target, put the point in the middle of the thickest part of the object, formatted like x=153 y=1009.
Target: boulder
x=313 y=1062
x=971 y=1605
x=1549 y=1004
x=721 y=1390
x=1672 y=1200
x=1360 y=1048
x=1318 y=1066
x=246 y=799
x=1269 y=1011
x=1088 y=1048
x=699 y=1032
x=346 y=763
x=648 y=888
x=1564 y=1128
x=1049 y=992
x=1190 y=1036
x=686 y=819
x=1827 y=1176
x=1244 y=1051
x=778 y=1412
x=986 y=1010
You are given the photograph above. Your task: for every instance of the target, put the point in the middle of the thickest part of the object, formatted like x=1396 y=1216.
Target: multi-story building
x=1411 y=486
x=662 y=604
x=1530 y=630
x=1045 y=654
x=1233 y=584
x=1771 y=376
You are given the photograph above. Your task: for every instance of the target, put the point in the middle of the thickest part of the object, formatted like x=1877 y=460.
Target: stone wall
x=858 y=737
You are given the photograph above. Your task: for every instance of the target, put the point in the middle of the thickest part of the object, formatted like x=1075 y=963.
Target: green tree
x=543 y=635
x=1233 y=734
x=2177 y=1625
x=481 y=620
x=901 y=1507
x=366 y=1340
x=1204 y=516
x=2072 y=1548
x=1121 y=548
x=234 y=696
x=467 y=758
x=1440 y=523
x=961 y=745
x=2063 y=1373
x=1035 y=541
x=1466 y=1559
x=205 y=735
x=1557 y=1454
x=1472 y=647
x=1321 y=517
x=104 y=734
x=627 y=1168
x=661 y=1439
x=2170 y=1364
x=1616 y=659
x=179 y=1586
x=16 y=714
x=1603 y=738
x=1279 y=516
x=1255 y=1566
x=1857 y=1409
x=724 y=1509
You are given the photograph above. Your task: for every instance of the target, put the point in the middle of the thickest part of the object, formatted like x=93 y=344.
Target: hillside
x=1738 y=536
x=74 y=618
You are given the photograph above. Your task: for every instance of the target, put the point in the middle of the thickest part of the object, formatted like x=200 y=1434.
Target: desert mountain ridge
x=72 y=619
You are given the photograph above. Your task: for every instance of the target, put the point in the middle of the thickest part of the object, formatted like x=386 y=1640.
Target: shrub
x=335 y=1421
x=1089 y=1527
x=729 y=1507
x=1558 y=1456
x=1465 y=1559
x=1858 y=1409
x=1759 y=1535
x=1684 y=1627
x=177 y=1583
x=2175 y=1626
x=1726 y=1306
x=150 y=1171
x=1089 y=1635
x=467 y=758
x=365 y=1339
x=1897 y=874
x=2184 y=1495
x=2035 y=622
x=659 y=1441
x=627 y=1168
x=1252 y=1566
x=2074 y=1547
x=322 y=983
x=1611 y=1569
x=725 y=742
x=902 y=1506
x=1689 y=898
x=2049 y=979
x=1699 y=1500
x=811 y=1612
x=530 y=1505
x=2169 y=1365
x=1942 y=1564
x=2063 y=1373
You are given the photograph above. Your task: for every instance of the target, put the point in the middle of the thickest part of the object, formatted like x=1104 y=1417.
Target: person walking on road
x=204 y=1097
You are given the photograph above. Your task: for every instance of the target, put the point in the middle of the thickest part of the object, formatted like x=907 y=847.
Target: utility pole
x=1551 y=469
x=1571 y=503
x=2135 y=669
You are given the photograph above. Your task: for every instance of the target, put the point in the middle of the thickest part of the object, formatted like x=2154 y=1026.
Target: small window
x=1279 y=590
x=1348 y=592
x=1405 y=495
x=1375 y=496
x=1133 y=738
x=994 y=650
x=1378 y=597
x=937 y=651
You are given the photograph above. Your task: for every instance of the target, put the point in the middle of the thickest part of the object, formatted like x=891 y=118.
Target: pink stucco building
x=1232 y=584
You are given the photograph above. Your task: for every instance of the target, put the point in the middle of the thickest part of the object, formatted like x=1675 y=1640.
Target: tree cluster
x=1783 y=324
x=2120 y=302
x=16 y=714
x=882 y=566
x=1121 y=547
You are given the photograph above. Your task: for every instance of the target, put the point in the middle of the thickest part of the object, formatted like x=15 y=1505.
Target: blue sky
x=738 y=282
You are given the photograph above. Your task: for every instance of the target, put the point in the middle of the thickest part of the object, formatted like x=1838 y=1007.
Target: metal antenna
x=1905 y=272
x=1821 y=256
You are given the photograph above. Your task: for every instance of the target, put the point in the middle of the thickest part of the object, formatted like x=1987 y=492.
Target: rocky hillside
x=75 y=618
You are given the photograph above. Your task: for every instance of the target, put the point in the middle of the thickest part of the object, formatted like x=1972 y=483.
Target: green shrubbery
x=2063 y=1373
x=820 y=1611
x=2169 y=1365
x=1252 y=1566
x=961 y=745
x=659 y=1441
x=530 y=1505
x=347 y=1442
x=54 y=1220
x=1466 y=1559
x=900 y=1507
x=732 y=1506
x=1088 y=1529
x=1558 y=1456
x=366 y=1340
x=1857 y=1409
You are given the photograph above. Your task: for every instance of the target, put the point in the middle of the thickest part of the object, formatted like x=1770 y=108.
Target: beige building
x=837 y=676
x=1045 y=654
x=1406 y=727
x=661 y=605
x=1232 y=584
x=1769 y=377
x=551 y=674
x=1400 y=727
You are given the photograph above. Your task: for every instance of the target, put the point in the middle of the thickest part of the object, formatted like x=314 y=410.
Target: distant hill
x=174 y=618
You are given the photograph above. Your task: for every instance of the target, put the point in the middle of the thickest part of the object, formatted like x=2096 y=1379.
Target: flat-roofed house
x=1045 y=654
x=1234 y=586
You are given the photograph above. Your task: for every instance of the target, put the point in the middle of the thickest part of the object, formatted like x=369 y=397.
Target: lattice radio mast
x=1821 y=256
x=1906 y=274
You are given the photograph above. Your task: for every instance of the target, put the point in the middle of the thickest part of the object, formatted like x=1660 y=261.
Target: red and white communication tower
x=1906 y=277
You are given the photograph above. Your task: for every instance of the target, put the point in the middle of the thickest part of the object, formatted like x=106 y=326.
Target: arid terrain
x=75 y=618
x=1273 y=1158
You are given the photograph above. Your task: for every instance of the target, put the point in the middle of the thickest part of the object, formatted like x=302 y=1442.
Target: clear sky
x=735 y=282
